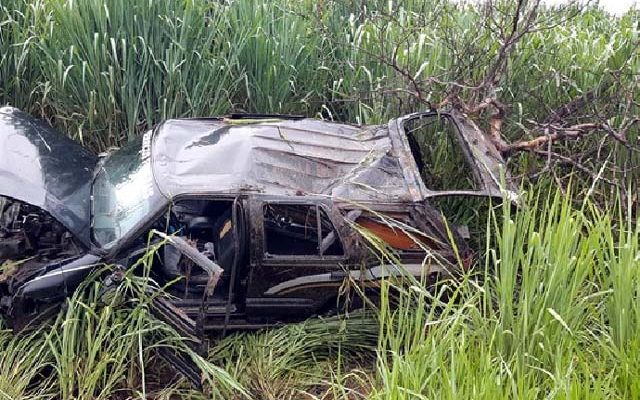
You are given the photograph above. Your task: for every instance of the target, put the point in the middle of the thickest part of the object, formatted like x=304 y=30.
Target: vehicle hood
x=42 y=167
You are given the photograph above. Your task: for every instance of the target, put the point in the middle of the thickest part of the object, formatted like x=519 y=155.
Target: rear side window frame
x=465 y=151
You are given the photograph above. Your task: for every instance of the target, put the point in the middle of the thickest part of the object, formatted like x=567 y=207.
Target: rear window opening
x=439 y=155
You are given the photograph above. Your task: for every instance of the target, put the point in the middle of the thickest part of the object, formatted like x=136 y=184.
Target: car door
x=297 y=255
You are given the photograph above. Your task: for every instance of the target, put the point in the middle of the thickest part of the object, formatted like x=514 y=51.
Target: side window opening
x=439 y=155
x=299 y=230
x=208 y=227
x=208 y=224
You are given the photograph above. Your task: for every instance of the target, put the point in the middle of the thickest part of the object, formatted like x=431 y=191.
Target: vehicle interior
x=299 y=230
x=215 y=231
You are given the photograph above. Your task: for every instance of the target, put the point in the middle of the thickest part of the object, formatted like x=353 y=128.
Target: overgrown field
x=551 y=310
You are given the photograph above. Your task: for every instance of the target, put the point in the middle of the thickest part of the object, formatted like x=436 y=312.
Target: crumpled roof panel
x=278 y=157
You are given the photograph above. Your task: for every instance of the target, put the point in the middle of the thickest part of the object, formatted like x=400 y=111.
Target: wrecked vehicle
x=260 y=216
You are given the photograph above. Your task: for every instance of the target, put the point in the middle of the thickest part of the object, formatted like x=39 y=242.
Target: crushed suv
x=260 y=216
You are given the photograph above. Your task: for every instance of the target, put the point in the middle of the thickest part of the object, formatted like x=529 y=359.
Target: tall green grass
x=288 y=362
x=105 y=71
x=20 y=29
x=114 y=68
x=554 y=314
x=102 y=344
x=280 y=60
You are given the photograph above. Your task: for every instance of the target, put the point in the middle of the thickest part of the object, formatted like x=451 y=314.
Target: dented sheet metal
x=487 y=163
x=307 y=157
x=292 y=157
x=45 y=169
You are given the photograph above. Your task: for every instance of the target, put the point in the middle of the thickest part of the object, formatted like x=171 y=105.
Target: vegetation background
x=552 y=309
